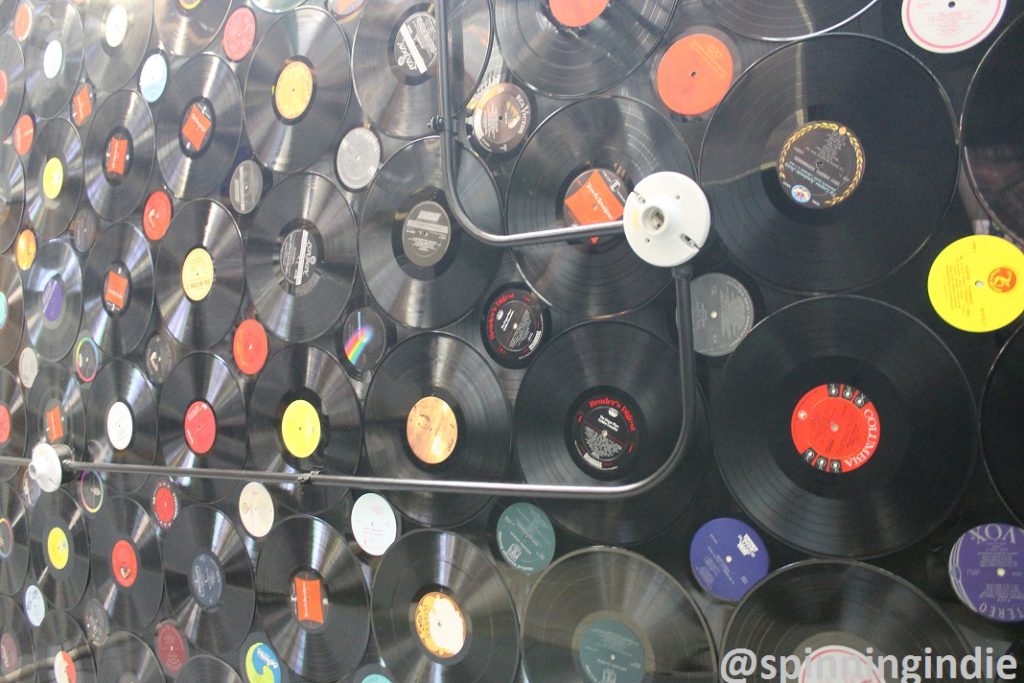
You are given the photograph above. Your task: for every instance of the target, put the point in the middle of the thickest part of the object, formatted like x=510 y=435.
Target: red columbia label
x=200 y=427
x=171 y=647
x=835 y=428
x=124 y=563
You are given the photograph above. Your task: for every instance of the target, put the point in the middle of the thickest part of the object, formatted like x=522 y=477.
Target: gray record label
x=206 y=579
x=415 y=49
x=159 y=358
x=723 y=313
x=426 y=234
x=299 y=256
x=246 y=186
x=359 y=157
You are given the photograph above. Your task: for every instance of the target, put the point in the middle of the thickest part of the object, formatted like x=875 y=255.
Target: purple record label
x=728 y=557
x=986 y=568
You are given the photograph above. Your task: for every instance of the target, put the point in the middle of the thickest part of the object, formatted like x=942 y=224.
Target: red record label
x=81 y=105
x=195 y=129
x=54 y=417
x=156 y=215
x=309 y=602
x=250 y=346
x=239 y=34
x=5 y=424
x=694 y=74
x=115 y=290
x=124 y=562
x=165 y=504
x=835 y=428
x=171 y=648
x=3 y=87
x=576 y=13
x=24 y=134
x=200 y=427
x=117 y=155
x=22 y=22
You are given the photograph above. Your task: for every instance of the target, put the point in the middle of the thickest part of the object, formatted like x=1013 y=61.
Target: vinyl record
x=120 y=152
x=209 y=579
x=12 y=66
x=125 y=562
x=121 y=422
x=117 y=37
x=53 y=300
x=858 y=435
x=59 y=545
x=435 y=410
x=578 y=168
x=125 y=656
x=297 y=90
x=1002 y=433
x=441 y=612
x=200 y=273
x=119 y=289
x=395 y=57
x=12 y=193
x=56 y=412
x=819 y=178
x=312 y=600
x=204 y=668
x=17 y=659
x=13 y=425
x=304 y=416
x=62 y=651
x=993 y=142
x=12 y=310
x=14 y=554
x=574 y=49
x=785 y=20
x=53 y=57
x=301 y=250
x=202 y=423
x=418 y=264
x=603 y=614
x=54 y=178
x=199 y=126
x=188 y=26
x=831 y=614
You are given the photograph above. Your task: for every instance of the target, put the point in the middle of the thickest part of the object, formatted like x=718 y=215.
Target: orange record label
x=4 y=87
x=309 y=601
x=250 y=346
x=54 y=424
x=594 y=200
x=124 y=563
x=694 y=74
x=576 y=13
x=22 y=22
x=115 y=290
x=24 y=134
x=81 y=105
x=117 y=155
x=156 y=215
x=196 y=127
x=432 y=430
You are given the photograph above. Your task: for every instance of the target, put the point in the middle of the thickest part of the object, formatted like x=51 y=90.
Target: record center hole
x=1000 y=572
x=728 y=559
x=693 y=74
x=979 y=284
x=714 y=315
x=952 y=4
x=834 y=427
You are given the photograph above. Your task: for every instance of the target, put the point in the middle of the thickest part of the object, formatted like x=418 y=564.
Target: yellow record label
x=189 y=4
x=440 y=625
x=432 y=430
x=53 y=178
x=293 y=90
x=197 y=274
x=300 y=428
x=57 y=548
x=975 y=284
x=25 y=249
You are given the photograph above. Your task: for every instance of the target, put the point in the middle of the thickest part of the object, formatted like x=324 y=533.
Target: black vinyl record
x=200 y=273
x=297 y=90
x=12 y=65
x=62 y=651
x=53 y=57
x=435 y=410
x=204 y=668
x=123 y=656
x=419 y=265
x=304 y=416
x=54 y=178
x=993 y=141
x=312 y=600
x=17 y=658
x=819 y=178
x=301 y=248
x=53 y=300
x=13 y=425
x=117 y=37
x=119 y=289
x=12 y=310
x=602 y=613
x=121 y=422
x=199 y=126
x=850 y=612
x=12 y=194
x=599 y=406
x=395 y=57
x=120 y=151
x=209 y=579
x=14 y=552
x=1002 y=433
x=598 y=148
x=202 y=423
x=844 y=427
x=125 y=562
x=574 y=49
x=186 y=27
x=441 y=612
x=59 y=545
x=56 y=411
x=785 y=19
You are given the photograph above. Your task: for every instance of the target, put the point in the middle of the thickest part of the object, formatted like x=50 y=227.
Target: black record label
x=821 y=164
x=426 y=233
x=515 y=324
x=502 y=115
x=606 y=430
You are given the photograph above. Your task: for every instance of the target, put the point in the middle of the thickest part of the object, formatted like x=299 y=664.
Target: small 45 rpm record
x=204 y=668
x=125 y=563
x=12 y=78
x=603 y=614
x=202 y=423
x=435 y=410
x=62 y=650
x=14 y=550
x=56 y=412
x=125 y=656
x=121 y=422
x=119 y=289
x=395 y=61
x=301 y=249
x=840 y=616
x=59 y=545
x=304 y=417
x=574 y=49
x=1002 y=435
x=186 y=27
x=55 y=177
x=441 y=611
x=578 y=168
x=120 y=152
x=859 y=421
x=819 y=179
x=53 y=300
x=12 y=195
x=117 y=37
x=199 y=126
x=311 y=598
x=786 y=20
x=418 y=264
x=992 y=140
x=200 y=273
x=209 y=579
x=12 y=310
x=53 y=57
x=17 y=660
x=297 y=90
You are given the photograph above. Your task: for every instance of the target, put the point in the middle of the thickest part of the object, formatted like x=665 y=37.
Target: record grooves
x=117 y=36
x=118 y=289
x=56 y=411
x=59 y=545
x=17 y=664
x=53 y=57
x=12 y=303
x=53 y=300
x=13 y=69
x=14 y=540
x=61 y=646
x=125 y=654
x=12 y=194
x=788 y=19
x=120 y=153
x=55 y=178
x=186 y=27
